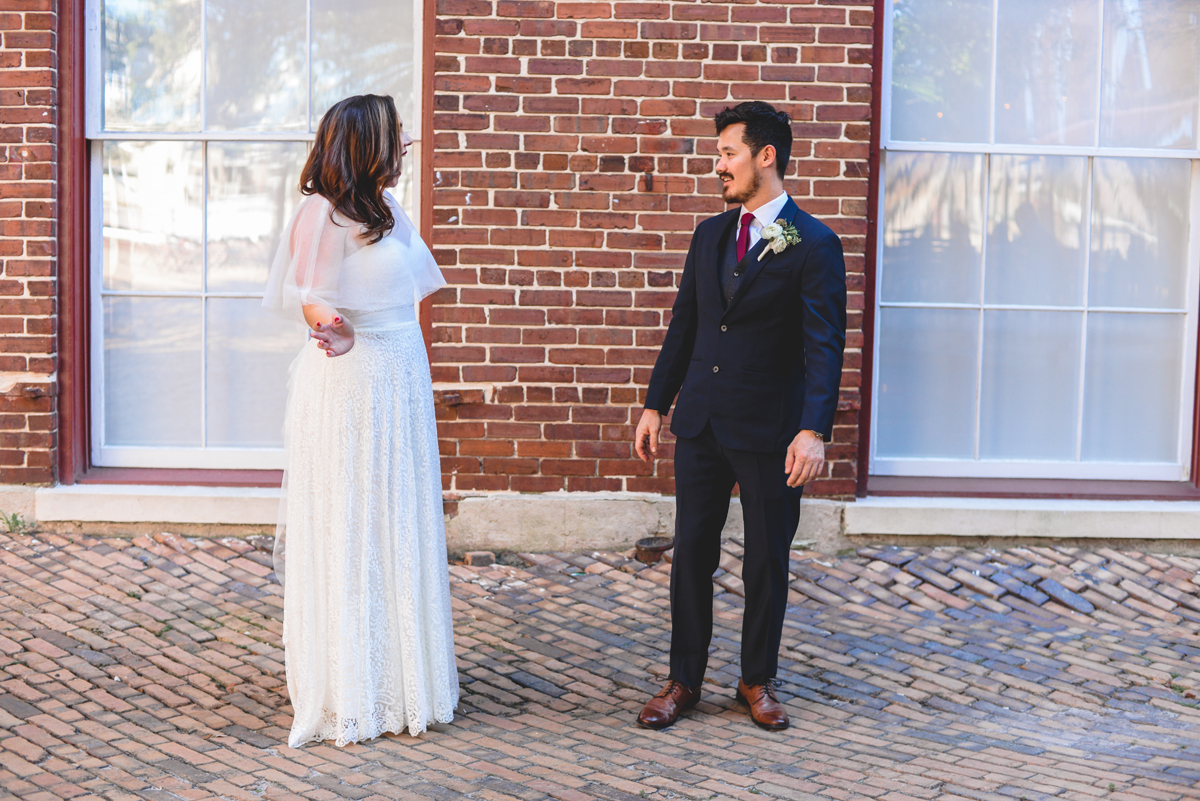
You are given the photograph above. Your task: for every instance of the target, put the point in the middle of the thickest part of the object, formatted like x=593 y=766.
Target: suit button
x=716 y=369
x=724 y=328
x=736 y=273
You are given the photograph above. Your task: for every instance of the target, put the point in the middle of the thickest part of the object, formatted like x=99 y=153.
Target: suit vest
x=727 y=264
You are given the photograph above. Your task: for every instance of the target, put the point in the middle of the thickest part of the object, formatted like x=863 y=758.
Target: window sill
x=1080 y=489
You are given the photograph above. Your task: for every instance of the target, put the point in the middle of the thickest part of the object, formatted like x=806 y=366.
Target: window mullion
x=308 y=104
x=992 y=87
x=983 y=238
x=1086 y=244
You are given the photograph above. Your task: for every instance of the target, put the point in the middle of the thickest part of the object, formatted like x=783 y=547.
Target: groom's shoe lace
x=670 y=688
x=769 y=687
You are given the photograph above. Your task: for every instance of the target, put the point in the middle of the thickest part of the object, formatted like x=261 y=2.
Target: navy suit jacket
x=770 y=364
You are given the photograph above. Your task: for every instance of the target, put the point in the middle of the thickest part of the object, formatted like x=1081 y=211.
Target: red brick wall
x=28 y=213
x=574 y=155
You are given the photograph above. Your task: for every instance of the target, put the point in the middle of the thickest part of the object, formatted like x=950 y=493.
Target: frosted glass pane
x=256 y=70
x=1035 y=251
x=252 y=191
x=150 y=59
x=152 y=371
x=1151 y=77
x=363 y=47
x=933 y=227
x=1131 y=387
x=1139 y=233
x=941 y=70
x=153 y=215
x=1046 y=77
x=249 y=352
x=1029 y=396
x=927 y=376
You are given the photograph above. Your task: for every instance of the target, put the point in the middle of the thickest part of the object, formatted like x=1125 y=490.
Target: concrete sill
x=141 y=503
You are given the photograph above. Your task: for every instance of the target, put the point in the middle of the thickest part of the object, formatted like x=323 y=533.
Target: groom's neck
x=767 y=191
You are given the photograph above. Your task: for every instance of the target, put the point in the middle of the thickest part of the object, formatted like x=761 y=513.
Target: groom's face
x=737 y=167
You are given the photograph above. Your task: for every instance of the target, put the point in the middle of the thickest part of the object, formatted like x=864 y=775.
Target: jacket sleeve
x=676 y=353
x=823 y=297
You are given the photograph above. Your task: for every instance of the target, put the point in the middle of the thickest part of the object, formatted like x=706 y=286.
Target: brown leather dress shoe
x=664 y=709
x=765 y=709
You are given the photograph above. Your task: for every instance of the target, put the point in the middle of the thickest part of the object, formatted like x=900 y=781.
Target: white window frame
x=203 y=456
x=1179 y=470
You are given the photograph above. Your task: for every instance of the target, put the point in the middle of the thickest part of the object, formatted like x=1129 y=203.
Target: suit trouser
x=705 y=473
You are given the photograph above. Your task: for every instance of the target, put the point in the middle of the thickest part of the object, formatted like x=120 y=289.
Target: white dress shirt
x=764 y=215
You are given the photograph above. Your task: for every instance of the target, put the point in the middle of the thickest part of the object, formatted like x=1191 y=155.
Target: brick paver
x=152 y=669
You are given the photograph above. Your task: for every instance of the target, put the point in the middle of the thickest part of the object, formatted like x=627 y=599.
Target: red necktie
x=743 y=243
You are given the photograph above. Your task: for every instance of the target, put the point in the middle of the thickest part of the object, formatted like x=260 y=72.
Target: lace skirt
x=367 y=631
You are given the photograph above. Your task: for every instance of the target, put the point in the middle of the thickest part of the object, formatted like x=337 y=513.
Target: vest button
x=724 y=328
x=716 y=369
x=736 y=273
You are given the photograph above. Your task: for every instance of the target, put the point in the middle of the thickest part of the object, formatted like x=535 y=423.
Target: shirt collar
x=768 y=212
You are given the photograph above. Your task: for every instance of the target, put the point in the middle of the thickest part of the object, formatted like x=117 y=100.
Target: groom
x=754 y=352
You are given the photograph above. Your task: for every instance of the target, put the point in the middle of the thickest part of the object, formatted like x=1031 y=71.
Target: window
x=199 y=118
x=1036 y=304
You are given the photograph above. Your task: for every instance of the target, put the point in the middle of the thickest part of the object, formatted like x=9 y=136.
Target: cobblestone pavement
x=152 y=669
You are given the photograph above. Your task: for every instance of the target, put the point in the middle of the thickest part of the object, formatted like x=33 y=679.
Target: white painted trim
x=1003 y=468
x=206 y=136
x=118 y=503
x=1003 y=517
x=975 y=148
x=93 y=68
x=197 y=457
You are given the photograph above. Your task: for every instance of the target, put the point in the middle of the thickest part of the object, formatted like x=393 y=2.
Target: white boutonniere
x=780 y=235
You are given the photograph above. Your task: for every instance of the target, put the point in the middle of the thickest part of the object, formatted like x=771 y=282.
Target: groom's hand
x=805 y=459
x=645 y=440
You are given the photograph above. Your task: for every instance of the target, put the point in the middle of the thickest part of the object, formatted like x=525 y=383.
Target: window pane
x=360 y=47
x=247 y=371
x=1035 y=253
x=1139 y=233
x=252 y=191
x=941 y=70
x=1131 y=387
x=1029 y=401
x=152 y=371
x=933 y=229
x=1046 y=79
x=927 y=376
x=1151 y=74
x=151 y=64
x=256 y=69
x=153 y=217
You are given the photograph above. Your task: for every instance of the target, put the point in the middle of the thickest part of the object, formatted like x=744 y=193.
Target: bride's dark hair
x=355 y=157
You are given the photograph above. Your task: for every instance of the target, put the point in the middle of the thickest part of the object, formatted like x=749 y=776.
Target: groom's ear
x=766 y=156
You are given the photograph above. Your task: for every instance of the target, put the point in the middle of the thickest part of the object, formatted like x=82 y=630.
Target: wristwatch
x=819 y=435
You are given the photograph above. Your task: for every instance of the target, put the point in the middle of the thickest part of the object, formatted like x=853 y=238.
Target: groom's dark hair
x=764 y=126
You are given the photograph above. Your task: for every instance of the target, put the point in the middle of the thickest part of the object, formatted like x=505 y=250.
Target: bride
x=367 y=635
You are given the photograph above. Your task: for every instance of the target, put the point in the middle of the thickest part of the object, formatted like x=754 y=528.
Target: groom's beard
x=729 y=196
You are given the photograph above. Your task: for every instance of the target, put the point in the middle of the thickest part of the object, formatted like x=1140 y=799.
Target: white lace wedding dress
x=367 y=633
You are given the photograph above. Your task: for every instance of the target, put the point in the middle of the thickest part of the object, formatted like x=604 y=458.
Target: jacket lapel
x=751 y=262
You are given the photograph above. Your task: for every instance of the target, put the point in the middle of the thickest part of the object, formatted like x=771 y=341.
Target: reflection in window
x=1151 y=77
x=933 y=232
x=1046 y=72
x=1139 y=233
x=941 y=69
x=153 y=215
x=150 y=59
x=1035 y=252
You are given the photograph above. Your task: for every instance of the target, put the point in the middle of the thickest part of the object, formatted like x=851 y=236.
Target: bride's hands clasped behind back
x=335 y=338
